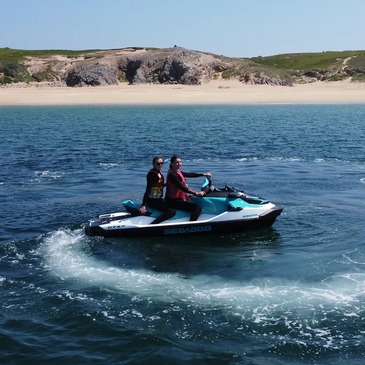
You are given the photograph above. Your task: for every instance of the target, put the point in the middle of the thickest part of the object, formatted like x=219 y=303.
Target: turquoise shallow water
x=291 y=294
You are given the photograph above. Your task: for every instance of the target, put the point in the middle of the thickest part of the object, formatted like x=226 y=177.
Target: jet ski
x=224 y=210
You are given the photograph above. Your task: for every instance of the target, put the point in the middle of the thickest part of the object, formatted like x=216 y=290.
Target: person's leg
x=196 y=213
x=161 y=205
x=195 y=209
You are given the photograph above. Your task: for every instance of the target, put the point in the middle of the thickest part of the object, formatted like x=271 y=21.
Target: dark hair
x=156 y=158
x=173 y=159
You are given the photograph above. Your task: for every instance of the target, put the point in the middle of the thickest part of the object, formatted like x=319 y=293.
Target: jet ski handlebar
x=208 y=187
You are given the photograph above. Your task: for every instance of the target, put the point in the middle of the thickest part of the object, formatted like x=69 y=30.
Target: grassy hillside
x=9 y=55
x=13 y=69
x=337 y=65
x=307 y=61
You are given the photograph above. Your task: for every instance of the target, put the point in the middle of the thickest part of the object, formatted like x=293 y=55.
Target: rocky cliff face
x=169 y=66
x=163 y=66
x=92 y=75
x=175 y=66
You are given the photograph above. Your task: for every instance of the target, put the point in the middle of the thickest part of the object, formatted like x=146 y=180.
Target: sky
x=233 y=28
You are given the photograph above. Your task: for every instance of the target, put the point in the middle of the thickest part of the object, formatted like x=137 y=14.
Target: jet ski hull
x=225 y=210
x=123 y=228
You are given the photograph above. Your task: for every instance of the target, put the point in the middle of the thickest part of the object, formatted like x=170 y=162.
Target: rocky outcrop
x=92 y=75
x=262 y=79
x=141 y=69
x=177 y=71
x=173 y=66
x=168 y=66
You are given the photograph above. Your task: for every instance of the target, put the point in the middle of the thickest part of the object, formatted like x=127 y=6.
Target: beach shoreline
x=215 y=92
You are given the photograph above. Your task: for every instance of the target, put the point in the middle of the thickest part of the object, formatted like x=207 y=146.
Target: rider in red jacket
x=177 y=189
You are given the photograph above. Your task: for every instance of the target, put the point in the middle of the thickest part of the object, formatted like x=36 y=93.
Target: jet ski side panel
x=120 y=229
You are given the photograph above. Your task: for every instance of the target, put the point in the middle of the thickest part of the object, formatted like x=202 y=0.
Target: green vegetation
x=307 y=61
x=231 y=73
x=337 y=77
x=357 y=64
x=8 y=55
x=325 y=66
x=46 y=75
x=13 y=68
x=121 y=77
x=244 y=67
x=358 y=77
x=14 y=72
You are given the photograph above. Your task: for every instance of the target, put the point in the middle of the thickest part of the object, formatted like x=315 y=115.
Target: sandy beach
x=215 y=92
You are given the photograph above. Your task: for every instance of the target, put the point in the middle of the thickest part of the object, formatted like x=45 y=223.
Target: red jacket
x=174 y=191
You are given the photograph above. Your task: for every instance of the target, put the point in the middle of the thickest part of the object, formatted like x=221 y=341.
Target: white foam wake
x=66 y=255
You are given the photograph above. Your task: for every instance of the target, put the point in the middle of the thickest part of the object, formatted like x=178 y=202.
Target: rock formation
x=92 y=75
x=252 y=78
x=176 y=66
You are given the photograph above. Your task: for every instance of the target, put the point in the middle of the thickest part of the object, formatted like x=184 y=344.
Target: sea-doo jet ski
x=224 y=210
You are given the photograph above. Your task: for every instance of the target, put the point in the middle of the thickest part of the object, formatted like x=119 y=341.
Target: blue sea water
x=291 y=294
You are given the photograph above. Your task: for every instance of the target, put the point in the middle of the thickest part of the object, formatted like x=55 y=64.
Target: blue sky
x=236 y=28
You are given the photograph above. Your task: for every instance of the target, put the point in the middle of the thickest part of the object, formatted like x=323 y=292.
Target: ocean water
x=291 y=294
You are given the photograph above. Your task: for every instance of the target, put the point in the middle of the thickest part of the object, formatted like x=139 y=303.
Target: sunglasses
x=159 y=163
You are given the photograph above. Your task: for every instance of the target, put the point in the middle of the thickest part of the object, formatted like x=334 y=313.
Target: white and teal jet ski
x=224 y=210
